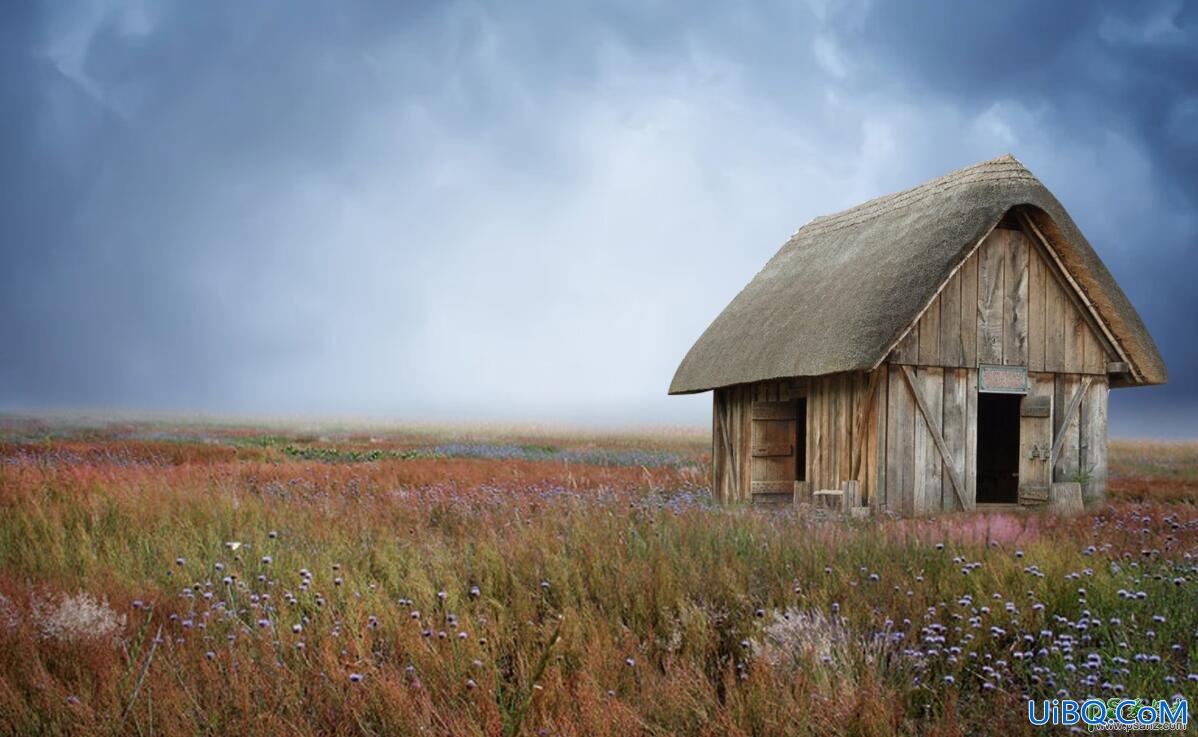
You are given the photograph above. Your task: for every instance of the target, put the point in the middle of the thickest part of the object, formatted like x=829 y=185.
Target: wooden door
x=775 y=451
x=1035 y=448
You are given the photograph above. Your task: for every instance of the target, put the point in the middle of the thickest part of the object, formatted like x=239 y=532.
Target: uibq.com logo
x=1112 y=715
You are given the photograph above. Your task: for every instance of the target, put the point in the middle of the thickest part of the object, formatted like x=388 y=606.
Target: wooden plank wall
x=843 y=430
x=914 y=479
x=730 y=439
x=900 y=468
x=1093 y=441
x=732 y=464
x=830 y=437
x=1006 y=305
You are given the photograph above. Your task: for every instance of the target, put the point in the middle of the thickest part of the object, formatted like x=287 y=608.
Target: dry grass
x=151 y=580
x=1153 y=470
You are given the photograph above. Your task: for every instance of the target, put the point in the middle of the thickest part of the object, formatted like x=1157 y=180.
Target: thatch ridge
x=839 y=293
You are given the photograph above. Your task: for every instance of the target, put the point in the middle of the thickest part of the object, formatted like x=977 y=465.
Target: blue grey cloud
x=461 y=209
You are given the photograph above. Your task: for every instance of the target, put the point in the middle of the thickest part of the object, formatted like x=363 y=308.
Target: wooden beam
x=937 y=437
x=991 y=288
x=771 y=410
x=1116 y=367
x=772 y=449
x=730 y=460
x=1065 y=418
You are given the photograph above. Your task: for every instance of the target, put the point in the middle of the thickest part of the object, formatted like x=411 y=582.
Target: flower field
x=186 y=579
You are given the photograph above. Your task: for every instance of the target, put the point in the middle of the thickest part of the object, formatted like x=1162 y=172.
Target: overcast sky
x=529 y=211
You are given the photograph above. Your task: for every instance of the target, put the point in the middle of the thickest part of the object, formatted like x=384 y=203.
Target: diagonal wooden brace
x=1070 y=411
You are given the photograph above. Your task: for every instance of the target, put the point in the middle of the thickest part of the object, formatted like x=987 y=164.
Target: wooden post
x=852 y=496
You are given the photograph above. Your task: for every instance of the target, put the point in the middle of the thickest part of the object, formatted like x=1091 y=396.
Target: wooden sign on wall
x=1002 y=379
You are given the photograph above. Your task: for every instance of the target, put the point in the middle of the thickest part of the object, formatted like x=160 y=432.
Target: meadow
x=179 y=579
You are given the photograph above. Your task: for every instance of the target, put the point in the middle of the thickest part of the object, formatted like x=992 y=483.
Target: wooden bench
x=846 y=499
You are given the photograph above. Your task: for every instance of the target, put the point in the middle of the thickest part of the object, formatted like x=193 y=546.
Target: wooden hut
x=949 y=346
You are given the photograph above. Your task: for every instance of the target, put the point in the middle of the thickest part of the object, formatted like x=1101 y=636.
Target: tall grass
x=508 y=596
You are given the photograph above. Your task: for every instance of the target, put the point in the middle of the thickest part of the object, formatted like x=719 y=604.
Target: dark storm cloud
x=526 y=211
x=1091 y=70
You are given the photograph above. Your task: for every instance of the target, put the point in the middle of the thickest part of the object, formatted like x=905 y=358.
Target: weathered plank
x=991 y=257
x=773 y=487
x=929 y=473
x=1035 y=310
x=774 y=410
x=731 y=466
x=864 y=410
x=827 y=417
x=743 y=420
x=900 y=443
x=929 y=334
x=721 y=451
x=955 y=411
x=1015 y=299
x=969 y=312
x=1095 y=358
x=858 y=408
x=1075 y=340
x=923 y=442
x=971 y=438
x=852 y=494
x=1054 y=325
x=811 y=430
x=1093 y=441
x=877 y=443
x=828 y=442
x=952 y=352
x=1066 y=453
x=844 y=424
x=907 y=350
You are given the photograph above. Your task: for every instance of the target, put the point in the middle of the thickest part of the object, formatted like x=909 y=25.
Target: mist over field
x=527 y=212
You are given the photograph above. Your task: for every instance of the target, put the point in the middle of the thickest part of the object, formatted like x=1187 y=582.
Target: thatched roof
x=844 y=288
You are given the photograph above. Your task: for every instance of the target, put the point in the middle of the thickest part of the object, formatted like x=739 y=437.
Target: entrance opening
x=998 y=448
x=801 y=440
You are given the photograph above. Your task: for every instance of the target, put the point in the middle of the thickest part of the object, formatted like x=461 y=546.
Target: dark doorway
x=801 y=441
x=998 y=448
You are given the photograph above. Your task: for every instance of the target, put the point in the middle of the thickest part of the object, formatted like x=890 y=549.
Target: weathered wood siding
x=882 y=438
x=917 y=479
x=1092 y=447
x=756 y=437
x=730 y=463
x=842 y=429
x=1006 y=305
x=1083 y=447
